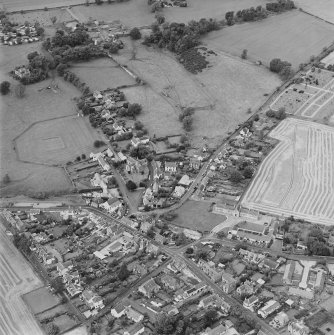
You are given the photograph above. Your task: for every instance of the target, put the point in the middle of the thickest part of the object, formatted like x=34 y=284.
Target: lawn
x=292 y=36
x=102 y=73
x=64 y=322
x=195 y=215
x=40 y=300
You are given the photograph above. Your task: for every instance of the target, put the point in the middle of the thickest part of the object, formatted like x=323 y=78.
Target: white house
x=185 y=181
x=112 y=205
x=179 y=191
x=270 y=307
x=170 y=167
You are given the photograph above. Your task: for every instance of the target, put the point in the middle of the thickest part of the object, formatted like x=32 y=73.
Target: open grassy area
x=40 y=300
x=292 y=36
x=195 y=215
x=321 y=8
x=38 y=104
x=221 y=94
x=102 y=73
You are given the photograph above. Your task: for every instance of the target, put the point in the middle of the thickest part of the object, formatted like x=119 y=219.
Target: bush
x=99 y=143
x=235 y=176
x=5 y=87
x=130 y=185
x=135 y=33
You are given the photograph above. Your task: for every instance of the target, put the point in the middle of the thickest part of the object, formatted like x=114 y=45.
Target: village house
x=159 y=238
x=137 y=269
x=246 y=288
x=251 y=232
x=170 y=282
x=133 y=315
x=298 y=327
x=288 y=272
x=74 y=289
x=209 y=269
x=250 y=302
x=185 y=181
x=210 y=300
x=92 y=300
x=145 y=227
x=119 y=310
x=149 y=288
x=200 y=287
x=156 y=167
x=151 y=248
x=251 y=257
x=112 y=205
x=104 y=165
x=135 y=329
x=280 y=320
x=195 y=163
x=179 y=191
x=192 y=234
x=270 y=307
x=171 y=167
x=64 y=268
x=228 y=282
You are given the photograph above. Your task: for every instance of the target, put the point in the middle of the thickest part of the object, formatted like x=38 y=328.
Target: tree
x=130 y=185
x=6 y=179
x=40 y=31
x=187 y=123
x=138 y=125
x=58 y=285
x=248 y=172
x=52 y=329
x=235 y=176
x=53 y=19
x=181 y=239
x=210 y=316
x=123 y=273
x=135 y=33
x=20 y=90
x=134 y=109
x=61 y=69
x=5 y=87
x=99 y=143
x=164 y=324
x=221 y=234
x=244 y=54
x=160 y=18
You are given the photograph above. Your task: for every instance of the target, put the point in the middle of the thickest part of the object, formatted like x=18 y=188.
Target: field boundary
x=315 y=16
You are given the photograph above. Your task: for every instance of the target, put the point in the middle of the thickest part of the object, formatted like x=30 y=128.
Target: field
x=220 y=95
x=38 y=104
x=40 y=300
x=297 y=178
x=17 y=5
x=16 y=279
x=100 y=74
x=308 y=100
x=43 y=17
x=321 y=8
x=56 y=141
x=195 y=215
x=292 y=36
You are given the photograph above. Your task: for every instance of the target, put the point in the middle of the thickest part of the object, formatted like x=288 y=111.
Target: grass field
x=16 y=279
x=56 y=141
x=292 y=36
x=321 y=8
x=18 y=114
x=221 y=94
x=297 y=178
x=102 y=73
x=40 y=300
x=195 y=215
x=43 y=17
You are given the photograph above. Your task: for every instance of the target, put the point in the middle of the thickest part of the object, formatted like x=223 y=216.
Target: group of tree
x=132 y=110
x=5 y=87
x=246 y=15
x=131 y=185
x=186 y=117
x=22 y=243
x=166 y=324
x=280 y=6
x=135 y=33
x=316 y=243
x=279 y=114
x=179 y=37
x=123 y=273
x=141 y=152
x=74 y=79
x=283 y=68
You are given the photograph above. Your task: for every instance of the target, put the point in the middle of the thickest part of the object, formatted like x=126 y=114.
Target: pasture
x=16 y=279
x=293 y=36
x=220 y=94
x=102 y=73
x=196 y=215
x=56 y=141
x=289 y=181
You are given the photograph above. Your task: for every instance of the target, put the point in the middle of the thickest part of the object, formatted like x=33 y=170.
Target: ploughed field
x=297 y=177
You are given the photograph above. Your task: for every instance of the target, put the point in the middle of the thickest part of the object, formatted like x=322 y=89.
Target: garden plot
x=40 y=300
x=306 y=99
x=293 y=36
x=297 y=178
